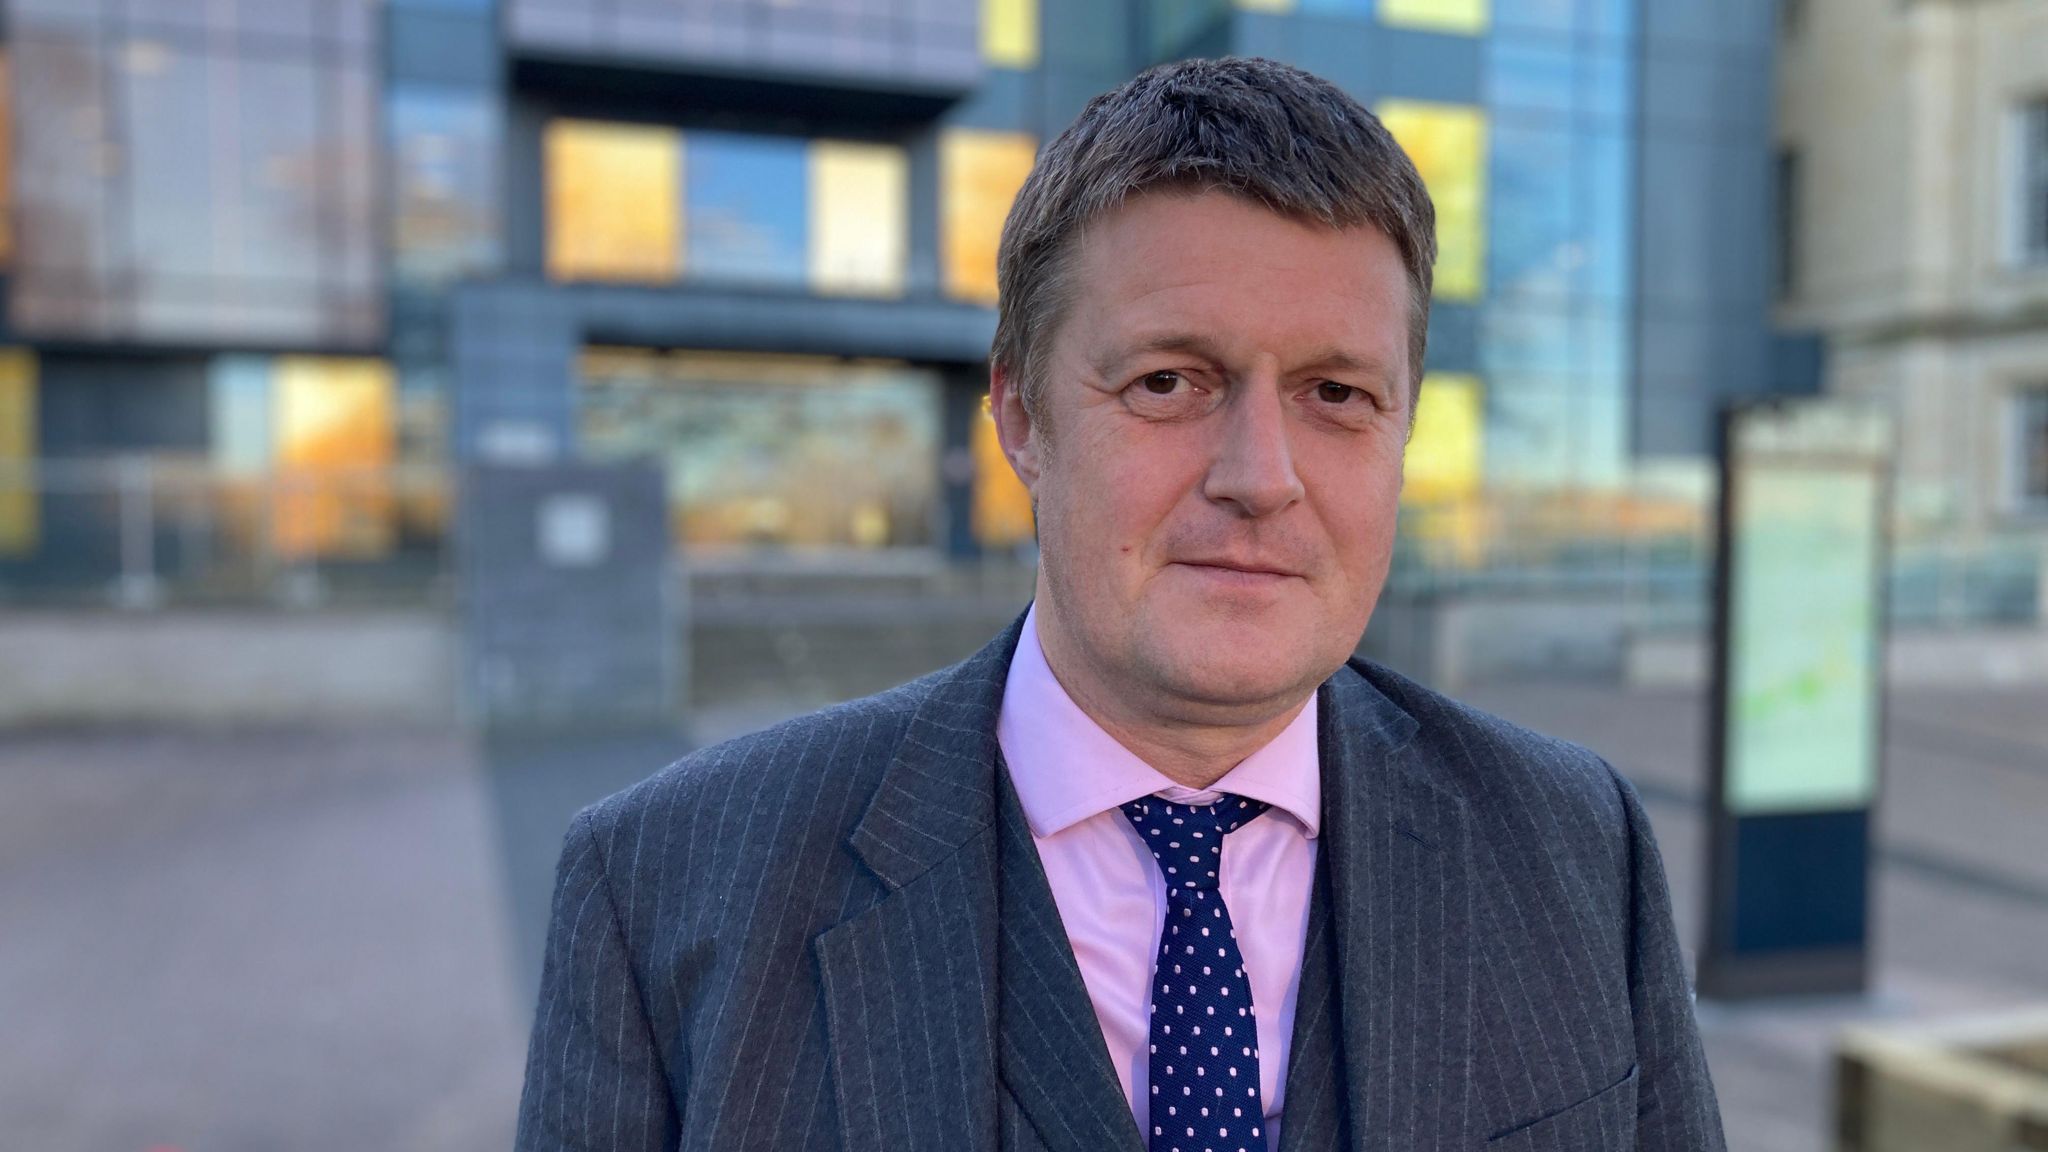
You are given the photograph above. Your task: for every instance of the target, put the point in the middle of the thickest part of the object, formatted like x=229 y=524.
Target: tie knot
x=1187 y=839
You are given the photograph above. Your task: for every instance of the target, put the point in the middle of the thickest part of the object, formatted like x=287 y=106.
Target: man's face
x=1219 y=468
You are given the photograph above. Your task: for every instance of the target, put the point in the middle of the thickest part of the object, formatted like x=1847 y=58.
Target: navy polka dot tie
x=1205 y=1040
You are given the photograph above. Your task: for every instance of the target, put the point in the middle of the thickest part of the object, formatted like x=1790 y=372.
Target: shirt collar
x=1066 y=768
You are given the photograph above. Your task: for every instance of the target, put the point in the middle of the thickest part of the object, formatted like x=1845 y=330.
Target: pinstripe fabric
x=793 y=941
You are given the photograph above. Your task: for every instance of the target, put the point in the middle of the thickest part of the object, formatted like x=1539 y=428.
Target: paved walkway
x=318 y=941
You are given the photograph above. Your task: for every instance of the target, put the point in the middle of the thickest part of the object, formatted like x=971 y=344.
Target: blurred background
x=420 y=418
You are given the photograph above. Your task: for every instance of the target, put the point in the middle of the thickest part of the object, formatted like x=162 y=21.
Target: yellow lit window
x=859 y=196
x=333 y=431
x=1002 y=505
x=1448 y=144
x=1464 y=16
x=612 y=203
x=980 y=173
x=18 y=518
x=1009 y=33
x=1445 y=454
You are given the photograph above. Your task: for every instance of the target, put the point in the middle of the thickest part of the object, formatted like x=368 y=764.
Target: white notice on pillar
x=575 y=531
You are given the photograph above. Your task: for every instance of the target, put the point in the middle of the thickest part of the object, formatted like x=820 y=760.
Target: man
x=1161 y=867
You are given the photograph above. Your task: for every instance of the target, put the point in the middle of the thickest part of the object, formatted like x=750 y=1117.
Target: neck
x=1190 y=744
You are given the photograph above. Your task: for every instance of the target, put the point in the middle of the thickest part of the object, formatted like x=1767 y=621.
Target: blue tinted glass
x=1544 y=15
x=444 y=180
x=744 y=214
x=1608 y=19
x=1530 y=75
x=1605 y=92
x=1606 y=180
x=1348 y=7
x=1529 y=429
x=446 y=5
x=1531 y=179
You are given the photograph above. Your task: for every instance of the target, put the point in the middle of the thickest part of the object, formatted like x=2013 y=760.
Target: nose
x=1253 y=467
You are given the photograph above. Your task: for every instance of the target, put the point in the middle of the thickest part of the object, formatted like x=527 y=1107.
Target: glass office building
x=326 y=243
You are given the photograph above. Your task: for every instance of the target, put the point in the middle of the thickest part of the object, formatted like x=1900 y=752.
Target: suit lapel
x=1053 y=1058
x=1313 y=1117
x=1397 y=849
x=909 y=985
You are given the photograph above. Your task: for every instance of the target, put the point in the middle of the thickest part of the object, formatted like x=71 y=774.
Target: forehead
x=1239 y=275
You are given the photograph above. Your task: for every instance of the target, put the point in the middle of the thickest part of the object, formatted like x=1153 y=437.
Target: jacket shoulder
x=1496 y=764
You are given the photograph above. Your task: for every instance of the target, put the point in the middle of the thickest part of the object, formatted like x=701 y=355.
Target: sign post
x=1796 y=736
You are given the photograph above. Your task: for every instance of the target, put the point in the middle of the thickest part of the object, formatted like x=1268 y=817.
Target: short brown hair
x=1254 y=128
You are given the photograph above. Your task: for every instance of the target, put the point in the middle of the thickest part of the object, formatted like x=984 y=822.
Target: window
x=2029 y=469
x=612 y=201
x=332 y=428
x=2031 y=196
x=773 y=452
x=1009 y=33
x=744 y=208
x=18 y=512
x=645 y=204
x=1444 y=454
x=1466 y=17
x=157 y=217
x=859 y=229
x=980 y=173
x=444 y=157
x=1448 y=144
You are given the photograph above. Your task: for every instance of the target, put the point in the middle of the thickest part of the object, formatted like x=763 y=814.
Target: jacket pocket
x=1602 y=1122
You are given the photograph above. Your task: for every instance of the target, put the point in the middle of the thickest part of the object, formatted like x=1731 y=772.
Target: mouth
x=1239 y=572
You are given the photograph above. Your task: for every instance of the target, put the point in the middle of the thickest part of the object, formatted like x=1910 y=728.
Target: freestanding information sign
x=1797 y=726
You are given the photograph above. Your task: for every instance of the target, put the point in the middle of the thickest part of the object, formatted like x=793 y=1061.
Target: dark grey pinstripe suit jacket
x=836 y=934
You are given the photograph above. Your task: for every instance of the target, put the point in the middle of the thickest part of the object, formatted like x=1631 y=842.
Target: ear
x=1014 y=428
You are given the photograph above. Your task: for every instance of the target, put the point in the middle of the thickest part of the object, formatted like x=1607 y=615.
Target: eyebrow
x=1327 y=358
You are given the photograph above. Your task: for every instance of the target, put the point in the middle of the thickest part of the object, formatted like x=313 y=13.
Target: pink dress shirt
x=1072 y=777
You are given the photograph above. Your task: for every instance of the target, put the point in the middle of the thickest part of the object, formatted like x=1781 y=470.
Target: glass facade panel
x=197 y=174
x=6 y=162
x=859 y=207
x=744 y=203
x=19 y=526
x=332 y=432
x=1339 y=7
x=613 y=210
x=980 y=173
x=1532 y=179
x=2030 y=450
x=1009 y=33
x=1448 y=144
x=1463 y=16
x=773 y=452
x=241 y=423
x=1002 y=505
x=444 y=182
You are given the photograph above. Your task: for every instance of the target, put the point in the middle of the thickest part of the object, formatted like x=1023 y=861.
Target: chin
x=1239 y=662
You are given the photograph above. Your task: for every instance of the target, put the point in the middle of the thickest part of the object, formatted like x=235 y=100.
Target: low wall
x=1961 y=657
x=226 y=667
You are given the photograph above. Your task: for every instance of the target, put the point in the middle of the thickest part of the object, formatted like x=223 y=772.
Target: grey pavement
x=323 y=940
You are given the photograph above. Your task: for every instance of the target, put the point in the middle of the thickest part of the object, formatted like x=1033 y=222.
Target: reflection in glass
x=979 y=175
x=744 y=200
x=444 y=182
x=772 y=452
x=146 y=210
x=859 y=205
x=1447 y=142
x=332 y=429
x=613 y=211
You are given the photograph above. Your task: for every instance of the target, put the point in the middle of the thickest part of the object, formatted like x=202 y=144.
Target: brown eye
x=1334 y=392
x=1161 y=383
